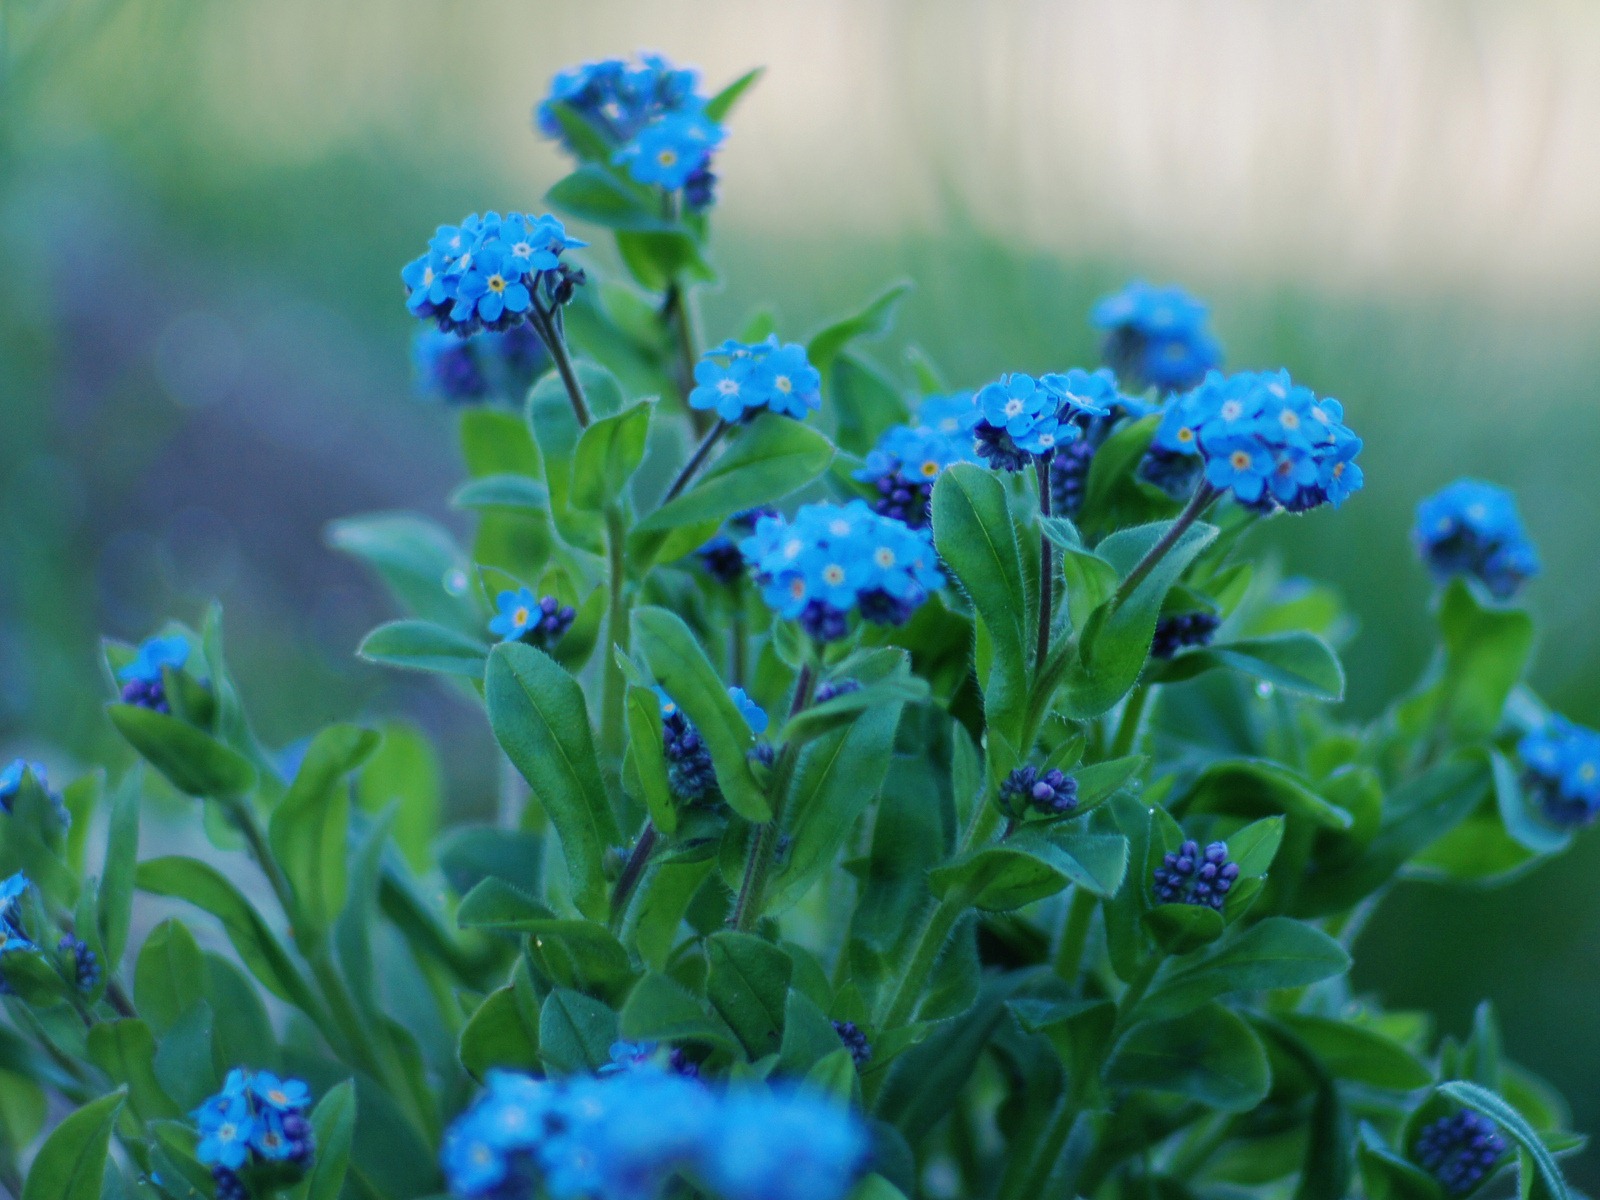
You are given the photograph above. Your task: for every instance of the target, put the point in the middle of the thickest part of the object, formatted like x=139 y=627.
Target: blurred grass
x=207 y=361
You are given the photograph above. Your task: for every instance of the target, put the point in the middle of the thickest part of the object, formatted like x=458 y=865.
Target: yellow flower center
x=883 y=556
x=783 y=385
x=833 y=573
x=667 y=157
x=520 y=617
x=930 y=469
x=1240 y=460
x=496 y=283
x=1289 y=419
x=1186 y=434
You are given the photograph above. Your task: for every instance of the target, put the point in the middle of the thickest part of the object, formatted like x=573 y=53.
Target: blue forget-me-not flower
x=1156 y=336
x=738 y=380
x=1472 y=528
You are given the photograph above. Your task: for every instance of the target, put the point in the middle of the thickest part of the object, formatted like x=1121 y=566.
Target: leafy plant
x=918 y=795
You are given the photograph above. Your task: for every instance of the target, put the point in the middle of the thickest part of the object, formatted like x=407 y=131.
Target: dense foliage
x=925 y=797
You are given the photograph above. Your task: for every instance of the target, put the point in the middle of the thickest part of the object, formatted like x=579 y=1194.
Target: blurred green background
x=203 y=351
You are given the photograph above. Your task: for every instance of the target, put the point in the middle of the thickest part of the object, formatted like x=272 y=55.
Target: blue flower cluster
x=1473 y=528
x=141 y=679
x=1258 y=435
x=468 y=370
x=855 y=1041
x=1460 y=1150
x=690 y=772
x=832 y=559
x=525 y=617
x=1022 y=418
x=490 y=272
x=1189 y=877
x=85 y=962
x=11 y=784
x=737 y=380
x=1561 y=770
x=720 y=557
x=904 y=466
x=954 y=415
x=627 y=1134
x=675 y=152
x=1052 y=793
x=12 y=937
x=1156 y=336
x=1179 y=631
x=257 y=1121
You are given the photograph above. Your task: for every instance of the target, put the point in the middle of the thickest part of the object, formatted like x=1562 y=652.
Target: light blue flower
x=1473 y=528
x=1156 y=337
x=739 y=380
x=785 y=1144
x=668 y=151
x=725 y=387
x=154 y=654
x=752 y=712
x=283 y=1095
x=226 y=1128
x=952 y=415
x=618 y=97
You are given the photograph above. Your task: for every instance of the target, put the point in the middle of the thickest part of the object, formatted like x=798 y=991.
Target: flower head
x=831 y=559
x=1271 y=443
x=618 y=97
x=1473 y=528
x=256 y=1117
x=525 y=617
x=12 y=937
x=672 y=150
x=953 y=415
x=1460 y=1150
x=737 y=380
x=11 y=785
x=488 y=272
x=1023 y=418
x=904 y=466
x=1179 y=631
x=1156 y=336
x=1052 y=793
x=1561 y=770
x=1188 y=876
x=143 y=681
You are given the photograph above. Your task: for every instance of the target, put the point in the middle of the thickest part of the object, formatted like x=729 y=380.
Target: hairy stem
x=764 y=838
x=680 y=323
x=1204 y=494
x=1075 y=934
x=1127 y=735
x=632 y=872
x=695 y=460
x=1047 y=583
x=547 y=326
x=613 y=687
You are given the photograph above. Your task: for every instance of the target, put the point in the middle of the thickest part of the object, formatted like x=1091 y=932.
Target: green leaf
x=404 y=771
x=973 y=532
x=1276 y=953
x=72 y=1162
x=469 y=854
x=207 y=888
x=1550 y=1182
x=835 y=779
x=1180 y=928
x=1115 y=643
x=686 y=674
x=575 y=1032
x=808 y=1036
x=115 y=907
x=333 y=1122
x=1387 y=1176
x=718 y=107
x=193 y=761
x=1485 y=653
x=417 y=560
x=764 y=461
x=1113 y=497
x=539 y=718
x=748 y=985
x=607 y=455
x=1255 y=846
x=1359 y=1054
x=185 y=1062
x=899 y=688
x=126 y=1052
x=310 y=827
x=661 y=1009
x=167 y=978
x=1031 y=864
x=514 y=493
x=578 y=132
x=499 y=1034
x=1301 y=663
x=240 y=1030
x=656 y=258
x=874 y=320
x=1209 y=1055
x=864 y=404
x=1247 y=787
x=647 y=752
x=1102 y=780
x=556 y=430
x=424 y=646
x=1090 y=580
x=592 y=193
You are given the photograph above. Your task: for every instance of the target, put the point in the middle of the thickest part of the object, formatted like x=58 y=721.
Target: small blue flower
x=281 y=1095
x=1052 y=793
x=85 y=962
x=904 y=466
x=738 y=380
x=12 y=938
x=1022 y=414
x=783 y=1145
x=154 y=654
x=11 y=780
x=256 y=1113
x=525 y=617
x=618 y=97
x=668 y=152
x=1561 y=770
x=487 y=271
x=447 y=366
x=491 y=287
x=226 y=1127
x=954 y=415
x=1156 y=337
x=1473 y=528
x=749 y=710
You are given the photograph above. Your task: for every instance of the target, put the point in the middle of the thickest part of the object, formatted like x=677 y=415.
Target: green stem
x=695 y=460
x=632 y=872
x=736 y=639
x=675 y=314
x=544 y=324
x=1127 y=735
x=1135 y=992
x=764 y=838
x=1047 y=583
x=1046 y=1151
x=613 y=688
x=1075 y=934
x=1204 y=494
